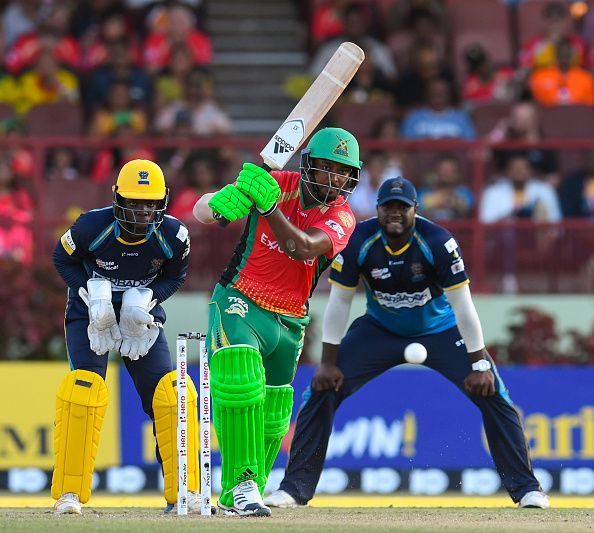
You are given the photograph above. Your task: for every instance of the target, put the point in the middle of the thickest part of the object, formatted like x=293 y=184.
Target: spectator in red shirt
x=178 y=27
x=327 y=21
x=200 y=178
x=53 y=35
x=95 y=42
x=16 y=206
x=540 y=50
x=484 y=82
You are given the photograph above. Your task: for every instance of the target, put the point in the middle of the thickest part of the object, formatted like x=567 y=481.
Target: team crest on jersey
x=156 y=265
x=342 y=148
x=237 y=306
x=143 y=176
x=417 y=271
x=346 y=218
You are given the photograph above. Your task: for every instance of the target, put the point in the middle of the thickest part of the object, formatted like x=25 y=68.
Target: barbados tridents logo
x=237 y=306
x=342 y=148
x=143 y=177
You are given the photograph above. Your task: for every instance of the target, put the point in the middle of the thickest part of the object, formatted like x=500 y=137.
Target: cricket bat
x=312 y=108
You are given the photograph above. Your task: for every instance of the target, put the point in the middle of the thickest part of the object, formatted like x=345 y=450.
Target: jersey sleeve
x=70 y=252
x=338 y=223
x=449 y=263
x=175 y=269
x=345 y=268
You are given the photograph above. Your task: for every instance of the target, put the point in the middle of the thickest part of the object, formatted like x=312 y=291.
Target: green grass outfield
x=143 y=513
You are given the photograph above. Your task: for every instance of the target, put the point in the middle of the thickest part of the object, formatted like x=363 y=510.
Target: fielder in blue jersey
x=120 y=263
x=417 y=291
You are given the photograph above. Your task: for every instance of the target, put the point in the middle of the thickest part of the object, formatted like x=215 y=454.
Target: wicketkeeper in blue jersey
x=417 y=291
x=120 y=263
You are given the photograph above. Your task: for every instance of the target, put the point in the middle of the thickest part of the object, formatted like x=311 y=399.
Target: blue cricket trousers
x=366 y=351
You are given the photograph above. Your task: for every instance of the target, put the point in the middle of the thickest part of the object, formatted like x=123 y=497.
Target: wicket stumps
x=203 y=419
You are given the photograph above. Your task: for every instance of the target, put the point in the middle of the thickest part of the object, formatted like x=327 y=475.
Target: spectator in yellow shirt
x=563 y=84
x=46 y=83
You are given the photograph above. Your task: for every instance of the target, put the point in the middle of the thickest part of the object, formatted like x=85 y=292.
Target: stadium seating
x=486 y=116
x=80 y=194
x=485 y=22
x=6 y=111
x=360 y=119
x=55 y=120
x=567 y=122
x=530 y=19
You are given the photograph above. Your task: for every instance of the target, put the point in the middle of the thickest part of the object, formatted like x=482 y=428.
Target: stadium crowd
x=128 y=70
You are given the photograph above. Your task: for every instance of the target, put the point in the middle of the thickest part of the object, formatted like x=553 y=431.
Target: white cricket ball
x=415 y=353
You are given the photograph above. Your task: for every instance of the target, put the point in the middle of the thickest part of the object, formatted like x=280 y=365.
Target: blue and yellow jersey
x=93 y=247
x=404 y=288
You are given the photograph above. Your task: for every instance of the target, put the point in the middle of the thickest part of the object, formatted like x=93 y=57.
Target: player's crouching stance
x=120 y=263
x=258 y=310
x=422 y=295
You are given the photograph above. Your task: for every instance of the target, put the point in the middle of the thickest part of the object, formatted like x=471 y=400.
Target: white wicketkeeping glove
x=138 y=326
x=103 y=330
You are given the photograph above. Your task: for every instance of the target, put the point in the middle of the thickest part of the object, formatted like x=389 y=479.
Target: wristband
x=268 y=212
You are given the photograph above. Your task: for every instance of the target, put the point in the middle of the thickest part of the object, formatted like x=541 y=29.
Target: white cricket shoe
x=194 y=504
x=535 y=499
x=281 y=499
x=247 y=501
x=68 y=503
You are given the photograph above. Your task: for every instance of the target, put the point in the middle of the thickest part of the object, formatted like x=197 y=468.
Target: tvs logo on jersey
x=338 y=229
x=144 y=178
x=342 y=148
x=237 y=306
x=346 y=218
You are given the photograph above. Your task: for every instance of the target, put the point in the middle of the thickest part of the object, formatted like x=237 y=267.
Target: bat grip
x=221 y=220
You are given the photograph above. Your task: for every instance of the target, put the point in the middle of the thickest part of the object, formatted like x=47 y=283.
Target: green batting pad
x=238 y=390
x=278 y=406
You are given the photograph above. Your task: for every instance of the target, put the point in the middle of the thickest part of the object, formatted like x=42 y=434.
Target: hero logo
x=403 y=299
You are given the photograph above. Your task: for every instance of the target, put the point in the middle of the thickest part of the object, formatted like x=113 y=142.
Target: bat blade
x=311 y=109
x=313 y=106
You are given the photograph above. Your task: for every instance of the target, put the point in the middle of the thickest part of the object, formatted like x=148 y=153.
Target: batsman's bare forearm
x=296 y=243
x=201 y=211
x=477 y=356
x=329 y=354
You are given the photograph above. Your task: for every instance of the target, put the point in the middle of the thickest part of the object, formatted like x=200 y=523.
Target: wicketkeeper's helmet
x=139 y=179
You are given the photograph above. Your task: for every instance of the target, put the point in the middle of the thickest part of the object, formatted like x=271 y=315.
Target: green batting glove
x=259 y=185
x=230 y=203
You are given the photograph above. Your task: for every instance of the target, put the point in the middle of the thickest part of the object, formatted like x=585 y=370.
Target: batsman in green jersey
x=296 y=223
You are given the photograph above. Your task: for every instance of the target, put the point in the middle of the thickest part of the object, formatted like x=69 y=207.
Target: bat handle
x=221 y=220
